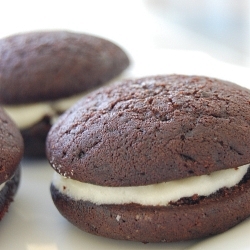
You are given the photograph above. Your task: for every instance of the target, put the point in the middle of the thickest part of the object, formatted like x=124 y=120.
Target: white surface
x=33 y=222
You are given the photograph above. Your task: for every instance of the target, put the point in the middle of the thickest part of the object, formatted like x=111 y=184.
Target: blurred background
x=220 y=28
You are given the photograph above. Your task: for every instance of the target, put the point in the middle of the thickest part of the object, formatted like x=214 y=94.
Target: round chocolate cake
x=161 y=158
x=44 y=73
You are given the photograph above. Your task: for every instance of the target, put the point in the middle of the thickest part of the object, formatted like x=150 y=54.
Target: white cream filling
x=2 y=185
x=29 y=114
x=155 y=194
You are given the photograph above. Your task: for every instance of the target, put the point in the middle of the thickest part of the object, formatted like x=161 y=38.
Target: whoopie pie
x=156 y=159
x=44 y=72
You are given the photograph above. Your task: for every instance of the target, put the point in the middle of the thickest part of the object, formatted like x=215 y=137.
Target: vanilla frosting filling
x=2 y=186
x=155 y=194
x=29 y=114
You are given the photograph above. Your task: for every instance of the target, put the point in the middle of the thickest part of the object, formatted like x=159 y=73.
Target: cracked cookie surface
x=48 y=65
x=11 y=147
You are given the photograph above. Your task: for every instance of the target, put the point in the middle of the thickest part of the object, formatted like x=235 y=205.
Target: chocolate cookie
x=154 y=159
x=39 y=68
x=11 y=147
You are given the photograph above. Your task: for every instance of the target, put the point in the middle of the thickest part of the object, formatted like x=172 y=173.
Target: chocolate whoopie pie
x=156 y=159
x=44 y=73
x=11 y=148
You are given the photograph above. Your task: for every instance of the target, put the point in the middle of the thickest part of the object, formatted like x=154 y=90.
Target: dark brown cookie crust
x=8 y=192
x=152 y=130
x=35 y=137
x=39 y=66
x=11 y=147
x=207 y=216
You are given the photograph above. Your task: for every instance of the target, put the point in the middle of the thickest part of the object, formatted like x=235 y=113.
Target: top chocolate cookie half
x=152 y=130
x=41 y=66
x=11 y=147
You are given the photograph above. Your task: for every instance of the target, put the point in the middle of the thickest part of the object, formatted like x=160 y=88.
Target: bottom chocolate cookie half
x=8 y=192
x=35 y=137
x=189 y=218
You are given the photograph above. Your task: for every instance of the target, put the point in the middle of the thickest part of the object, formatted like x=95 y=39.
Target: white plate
x=33 y=223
